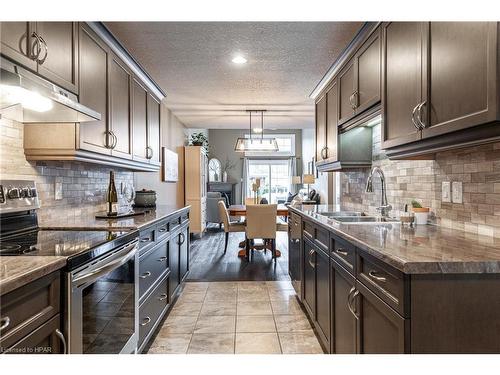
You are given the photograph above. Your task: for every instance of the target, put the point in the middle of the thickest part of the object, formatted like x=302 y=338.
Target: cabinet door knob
x=4 y=323
x=341 y=251
x=324 y=152
x=63 y=340
x=145 y=321
x=376 y=277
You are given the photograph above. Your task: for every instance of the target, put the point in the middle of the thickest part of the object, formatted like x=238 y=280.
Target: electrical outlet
x=446 y=191
x=58 y=189
x=456 y=192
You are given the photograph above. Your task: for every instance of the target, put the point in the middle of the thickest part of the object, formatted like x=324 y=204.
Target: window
x=275 y=179
x=286 y=145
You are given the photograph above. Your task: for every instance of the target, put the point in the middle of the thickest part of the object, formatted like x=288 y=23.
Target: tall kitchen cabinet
x=439 y=78
x=196 y=175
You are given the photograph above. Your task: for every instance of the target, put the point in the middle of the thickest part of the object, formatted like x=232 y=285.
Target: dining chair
x=229 y=226
x=261 y=224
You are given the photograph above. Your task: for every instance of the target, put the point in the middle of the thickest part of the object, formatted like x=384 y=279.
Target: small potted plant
x=198 y=139
x=421 y=213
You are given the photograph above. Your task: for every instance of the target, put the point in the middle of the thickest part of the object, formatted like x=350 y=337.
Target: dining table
x=241 y=210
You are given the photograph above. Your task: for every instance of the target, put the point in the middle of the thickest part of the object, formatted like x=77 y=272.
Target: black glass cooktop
x=77 y=246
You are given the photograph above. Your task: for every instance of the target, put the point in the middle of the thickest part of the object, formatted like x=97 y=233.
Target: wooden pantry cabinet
x=128 y=134
x=196 y=172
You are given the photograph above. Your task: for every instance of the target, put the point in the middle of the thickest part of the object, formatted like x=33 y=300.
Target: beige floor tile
x=186 y=308
x=215 y=324
x=195 y=286
x=254 y=308
x=172 y=343
x=282 y=295
x=224 y=295
x=222 y=285
x=257 y=343
x=253 y=295
x=299 y=343
x=252 y=285
x=212 y=343
x=218 y=308
x=290 y=307
x=257 y=323
x=192 y=297
x=178 y=324
x=279 y=285
x=292 y=323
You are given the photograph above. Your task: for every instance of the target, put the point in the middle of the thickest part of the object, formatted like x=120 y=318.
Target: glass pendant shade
x=260 y=144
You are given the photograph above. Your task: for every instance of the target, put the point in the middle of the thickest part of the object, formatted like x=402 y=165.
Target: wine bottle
x=111 y=195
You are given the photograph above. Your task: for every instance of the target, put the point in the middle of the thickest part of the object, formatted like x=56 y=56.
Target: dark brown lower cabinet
x=381 y=330
x=309 y=287
x=343 y=337
x=183 y=253
x=173 y=264
x=322 y=319
x=46 y=339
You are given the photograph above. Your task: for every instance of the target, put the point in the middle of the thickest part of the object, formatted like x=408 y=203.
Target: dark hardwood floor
x=209 y=263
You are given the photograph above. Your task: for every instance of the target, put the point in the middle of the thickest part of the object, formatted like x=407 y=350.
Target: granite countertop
x=423 y=249
x=89 y=222
x=16 y=271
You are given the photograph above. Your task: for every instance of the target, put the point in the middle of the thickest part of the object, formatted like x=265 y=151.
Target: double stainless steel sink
x=354 y=217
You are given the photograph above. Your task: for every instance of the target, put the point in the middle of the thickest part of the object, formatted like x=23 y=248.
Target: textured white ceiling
x=191 y=61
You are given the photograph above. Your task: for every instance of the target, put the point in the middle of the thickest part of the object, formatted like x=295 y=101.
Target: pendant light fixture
x=259 y=144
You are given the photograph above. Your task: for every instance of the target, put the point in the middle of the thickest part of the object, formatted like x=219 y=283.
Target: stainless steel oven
x=102 y=303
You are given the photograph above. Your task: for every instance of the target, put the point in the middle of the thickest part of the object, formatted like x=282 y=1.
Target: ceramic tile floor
x=236 y=318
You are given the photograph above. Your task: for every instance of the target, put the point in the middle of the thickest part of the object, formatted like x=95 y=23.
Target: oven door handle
x=98 y=272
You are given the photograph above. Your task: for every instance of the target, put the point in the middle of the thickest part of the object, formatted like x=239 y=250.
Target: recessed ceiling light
x=239 y=60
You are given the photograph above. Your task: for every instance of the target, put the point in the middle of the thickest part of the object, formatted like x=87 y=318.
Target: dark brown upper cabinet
x=439 y=81
x=153 y=147
x=18 y=43
x=49 y=48
x=332 y=131
x=403 y=87
x=94 y=135
x=58 y=60
x=120 y=80
x=139 y=121
x=321 y=147
x=462 y=76
x=359 y=80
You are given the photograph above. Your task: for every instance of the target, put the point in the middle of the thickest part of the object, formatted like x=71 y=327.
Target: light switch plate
x=446 y=191
x=58 y=189
x=456 y=192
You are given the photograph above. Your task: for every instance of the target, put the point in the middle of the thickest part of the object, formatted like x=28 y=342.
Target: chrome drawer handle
x=63 y=340
x=161 y=230
x=350 y=299
x=309 y=260
x=163 y=297
x=4 y=323
x=146 y=321
x=413 y=117
x=341 y=252
x=374 y=276
x=162 y=259
x=145 y=239
x=419 y=115
x=145 y=275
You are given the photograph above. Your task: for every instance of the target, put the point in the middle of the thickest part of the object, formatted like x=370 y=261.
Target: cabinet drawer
x=46 y=339
x=146 y=238
x=152 y=308
x=151 y=266
x=27 y=308
x=386 y=282
x=319 y=236
x=344 y=253
x=162 y=231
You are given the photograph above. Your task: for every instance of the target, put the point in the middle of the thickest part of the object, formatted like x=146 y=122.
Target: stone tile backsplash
x=478 y=168
x=83 y=185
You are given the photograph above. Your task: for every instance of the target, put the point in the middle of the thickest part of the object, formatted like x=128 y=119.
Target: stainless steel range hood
x=28 y=98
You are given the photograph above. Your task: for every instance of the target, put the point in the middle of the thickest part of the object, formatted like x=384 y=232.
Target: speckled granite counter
x=426 y=249
x=17 y=271
x=69 y=220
